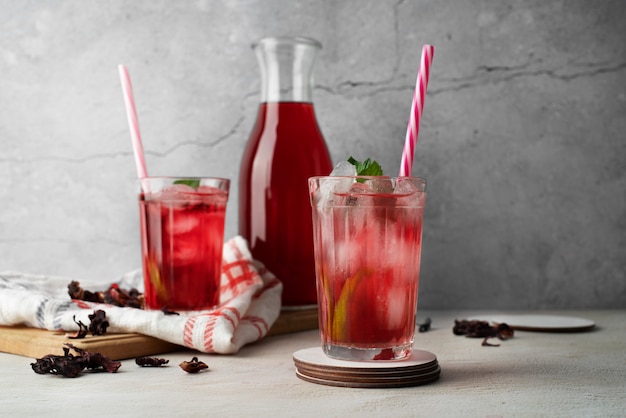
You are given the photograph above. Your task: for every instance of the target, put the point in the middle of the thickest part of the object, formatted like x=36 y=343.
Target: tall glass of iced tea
x=182 y=237
x=368 y=236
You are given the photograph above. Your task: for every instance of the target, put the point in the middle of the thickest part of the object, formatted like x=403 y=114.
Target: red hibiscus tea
x=182 y=237
x=286 y=147
x=368 y=235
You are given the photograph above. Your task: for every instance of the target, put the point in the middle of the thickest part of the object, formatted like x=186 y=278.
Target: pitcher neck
x=286 y=65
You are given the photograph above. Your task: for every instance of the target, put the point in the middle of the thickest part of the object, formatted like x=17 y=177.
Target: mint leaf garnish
x=193 y=183
x=368 y=167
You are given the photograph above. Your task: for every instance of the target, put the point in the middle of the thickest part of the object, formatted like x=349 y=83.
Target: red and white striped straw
x=416 y=110
x=133 y=122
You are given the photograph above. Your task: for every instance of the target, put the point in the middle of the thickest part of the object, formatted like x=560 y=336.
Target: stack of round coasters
x=312 y=365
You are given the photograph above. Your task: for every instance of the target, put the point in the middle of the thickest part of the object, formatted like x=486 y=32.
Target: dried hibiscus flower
x=166 y=311
x=82 y=330
x=482 y=329
x=150 y=361
x=98 y=325
x=70 y=365
x=77 y=292
x=98 y=322
x=114 y=295
x=425 y=326
x=193 y=366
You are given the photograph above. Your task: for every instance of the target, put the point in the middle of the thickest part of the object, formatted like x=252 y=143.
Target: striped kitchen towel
x=249 y=305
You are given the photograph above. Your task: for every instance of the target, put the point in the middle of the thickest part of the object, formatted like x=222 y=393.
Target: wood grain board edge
x=294 y=321
x=36 y=343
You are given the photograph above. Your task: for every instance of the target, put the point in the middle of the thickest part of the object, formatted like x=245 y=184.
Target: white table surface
x=534 y=374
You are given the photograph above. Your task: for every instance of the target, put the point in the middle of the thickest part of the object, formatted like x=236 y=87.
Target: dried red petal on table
x=69 y=365
x=482 y=329
x=193 y=366
x=150 y=361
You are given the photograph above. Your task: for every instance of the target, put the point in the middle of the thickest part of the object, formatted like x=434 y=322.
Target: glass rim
x=421 y=179
x=154 y=184
x=317 y=183
x=288 y=40
x=182 y=178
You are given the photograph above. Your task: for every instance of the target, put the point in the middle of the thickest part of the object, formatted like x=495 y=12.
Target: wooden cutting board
x=36 y=343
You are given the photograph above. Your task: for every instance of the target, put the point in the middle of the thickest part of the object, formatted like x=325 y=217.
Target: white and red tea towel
x=249 y=305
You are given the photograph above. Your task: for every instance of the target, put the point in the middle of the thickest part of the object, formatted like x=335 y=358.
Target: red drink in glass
x=367 y=249
x=182 y=234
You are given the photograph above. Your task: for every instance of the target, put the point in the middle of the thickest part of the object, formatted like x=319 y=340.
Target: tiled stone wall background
x=522 y=142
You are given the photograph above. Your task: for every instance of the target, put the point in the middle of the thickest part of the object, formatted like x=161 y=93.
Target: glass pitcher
x=285 y=148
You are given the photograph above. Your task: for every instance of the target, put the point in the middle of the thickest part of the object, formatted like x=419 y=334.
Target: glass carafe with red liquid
x=285 y=148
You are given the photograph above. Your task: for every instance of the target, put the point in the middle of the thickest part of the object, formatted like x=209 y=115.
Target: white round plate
x=549 y=323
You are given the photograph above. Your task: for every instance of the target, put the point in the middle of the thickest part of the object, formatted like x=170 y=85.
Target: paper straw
x=133 y=122
x=417 y=107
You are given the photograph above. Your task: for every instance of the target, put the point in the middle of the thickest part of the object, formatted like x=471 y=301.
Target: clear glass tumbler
x=182 y=236
x=368 y=237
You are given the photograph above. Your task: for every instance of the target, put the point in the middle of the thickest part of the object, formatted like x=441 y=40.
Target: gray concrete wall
x=522 y=140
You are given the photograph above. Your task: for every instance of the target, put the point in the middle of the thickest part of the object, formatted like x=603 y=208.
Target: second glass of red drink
x=182 y=236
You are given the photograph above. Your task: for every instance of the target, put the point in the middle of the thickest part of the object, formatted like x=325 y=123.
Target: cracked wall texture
x=522 y=140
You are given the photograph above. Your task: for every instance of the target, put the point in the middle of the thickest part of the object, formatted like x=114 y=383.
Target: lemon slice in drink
x=340 y=313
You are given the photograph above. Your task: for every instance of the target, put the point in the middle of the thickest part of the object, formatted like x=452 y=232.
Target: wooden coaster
x=312 y=365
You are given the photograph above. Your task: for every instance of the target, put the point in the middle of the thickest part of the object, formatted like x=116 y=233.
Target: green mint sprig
x=368 y=167
x=193 y=183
